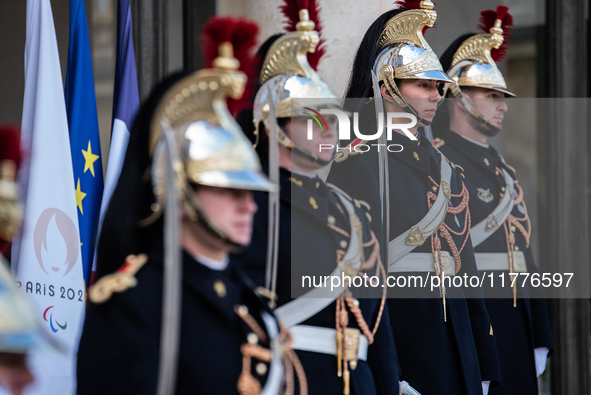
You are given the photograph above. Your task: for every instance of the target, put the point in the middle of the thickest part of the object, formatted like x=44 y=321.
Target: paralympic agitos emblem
x=51 y=321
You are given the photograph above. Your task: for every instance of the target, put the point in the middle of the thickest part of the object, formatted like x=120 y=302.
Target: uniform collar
x=487 y=158
x=306 y=182
x=483 y=145
x=211 y=263
x=419 y=154
x=220 y=288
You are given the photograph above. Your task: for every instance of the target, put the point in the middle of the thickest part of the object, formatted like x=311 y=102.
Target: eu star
x=79 y=196
x=89 y=159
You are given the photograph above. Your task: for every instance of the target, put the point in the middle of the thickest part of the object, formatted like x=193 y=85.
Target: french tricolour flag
x=126 y=103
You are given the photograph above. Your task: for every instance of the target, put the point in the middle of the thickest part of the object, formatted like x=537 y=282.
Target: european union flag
x=84 y=133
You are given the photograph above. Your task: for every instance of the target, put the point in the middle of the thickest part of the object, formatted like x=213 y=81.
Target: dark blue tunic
x=436 y=357
x=119 y=348
x=518 y=329
x=307 y=206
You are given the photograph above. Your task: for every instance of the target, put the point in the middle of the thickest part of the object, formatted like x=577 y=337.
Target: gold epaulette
x=120 y=281
x=438 y=143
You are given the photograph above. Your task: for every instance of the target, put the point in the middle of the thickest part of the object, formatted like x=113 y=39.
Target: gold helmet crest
x=473 y=63
x=288 y=81
x=405 y=54
x=212 y=149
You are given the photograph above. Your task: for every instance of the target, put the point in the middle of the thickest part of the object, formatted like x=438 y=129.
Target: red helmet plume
x=242 y=34
x=487 y=21
x=291 y=10
x=10 y=144
x=409 y=4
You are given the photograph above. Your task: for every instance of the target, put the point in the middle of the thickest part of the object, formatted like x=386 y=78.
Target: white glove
x=540 y=356
x=406 y=389
x=485 y=385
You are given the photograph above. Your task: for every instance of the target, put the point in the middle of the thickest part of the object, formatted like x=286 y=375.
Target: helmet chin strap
x=311 y=157
x=196 y=214
x=288 y=143
x=457 y=92
x=401 y=101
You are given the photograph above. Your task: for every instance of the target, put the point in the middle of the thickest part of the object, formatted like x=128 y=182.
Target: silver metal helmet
x=289 y=83
x=473 y=65
x=405 y=54
x=19 y=330
x=212 y=150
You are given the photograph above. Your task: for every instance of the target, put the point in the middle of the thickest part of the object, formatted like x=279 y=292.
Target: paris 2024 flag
x=47 y=257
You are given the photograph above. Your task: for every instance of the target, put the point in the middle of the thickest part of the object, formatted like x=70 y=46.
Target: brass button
x=331 y=220
x=516 y=248
x=486 y=162
x=343 y=244
x=317 y=185
x=252 y=338
x=220 y=288
x=242 y=310
x=513 y=228
x=434 y=189
x=261 y=369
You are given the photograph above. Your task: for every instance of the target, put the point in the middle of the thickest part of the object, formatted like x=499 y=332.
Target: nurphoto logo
x=392 y=121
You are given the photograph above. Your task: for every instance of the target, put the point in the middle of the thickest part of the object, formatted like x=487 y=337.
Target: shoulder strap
x=416 y=236
x=273 y=384
x=315 y=300
x=490 y=224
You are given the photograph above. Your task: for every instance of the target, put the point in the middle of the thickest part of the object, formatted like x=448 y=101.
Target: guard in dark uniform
x=343 y=341
x=443 y=335
x=172 y=322
x=19 y=330
x=500 y=224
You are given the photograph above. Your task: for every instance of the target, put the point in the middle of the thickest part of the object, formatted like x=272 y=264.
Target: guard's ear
x=385 y=92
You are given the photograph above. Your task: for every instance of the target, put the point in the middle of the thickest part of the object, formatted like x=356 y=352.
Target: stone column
x=195 y=15
x=565 y=197
x=150 y=31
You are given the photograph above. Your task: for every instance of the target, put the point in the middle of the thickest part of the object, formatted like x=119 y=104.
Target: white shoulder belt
x=490 y=224
x=315 y=300
x=416 y=236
